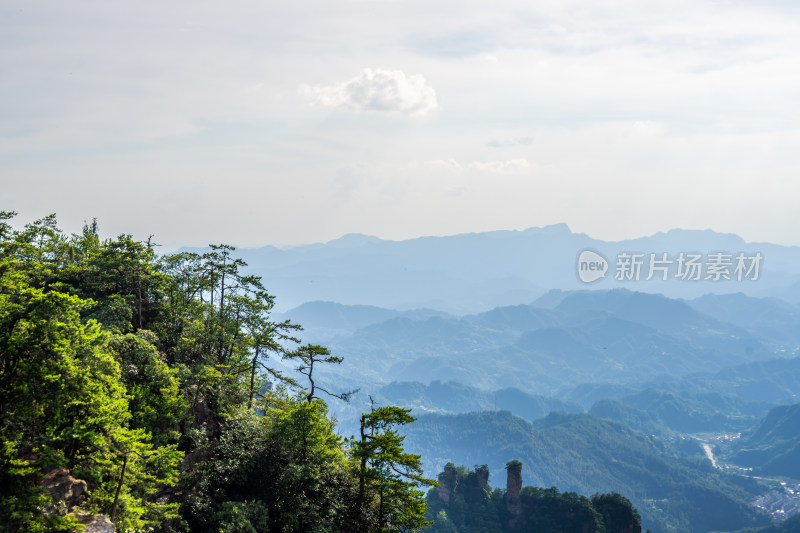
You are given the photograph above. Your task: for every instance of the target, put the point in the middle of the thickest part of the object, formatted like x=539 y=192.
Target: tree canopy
x=150 y=378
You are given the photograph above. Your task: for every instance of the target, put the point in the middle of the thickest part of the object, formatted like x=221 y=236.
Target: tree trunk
x=119 y=487
x=253 y=379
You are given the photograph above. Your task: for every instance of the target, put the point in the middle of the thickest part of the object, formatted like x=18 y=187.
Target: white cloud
x=376 y=90
x=444 y=164
x=694 y=98
x=507 y=143
x=511 y=166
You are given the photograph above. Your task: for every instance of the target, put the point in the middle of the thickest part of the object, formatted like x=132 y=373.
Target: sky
x=265 y=122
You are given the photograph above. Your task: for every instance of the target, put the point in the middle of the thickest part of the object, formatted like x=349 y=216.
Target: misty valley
x=593 y=391
x=486 y=389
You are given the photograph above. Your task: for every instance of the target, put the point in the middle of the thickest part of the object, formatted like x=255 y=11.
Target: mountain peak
x=683 y=235
x=553 y=229
x=352 y=240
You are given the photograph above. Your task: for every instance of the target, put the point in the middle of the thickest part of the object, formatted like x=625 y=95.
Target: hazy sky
x=271 y=122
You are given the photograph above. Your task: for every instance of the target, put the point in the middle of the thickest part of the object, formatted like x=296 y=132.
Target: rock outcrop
x=448 y=483
x=97 y=524
x=66 y=492
x=465 y=498
x=514 y=480
x=482 y=473
x=513 y=488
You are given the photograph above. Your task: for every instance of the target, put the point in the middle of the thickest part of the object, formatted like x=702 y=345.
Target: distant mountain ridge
x=590 y=336
x=323 y=321
x=772 y=446
x=582 y=453
x=473 y=272
x=690 y=372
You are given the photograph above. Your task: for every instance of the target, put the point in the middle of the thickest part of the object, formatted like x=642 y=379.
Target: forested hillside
x=464 y=502
x=584 y=454
x=141 y=388
x=161 y=392
x=771 y=447
x=548 y=347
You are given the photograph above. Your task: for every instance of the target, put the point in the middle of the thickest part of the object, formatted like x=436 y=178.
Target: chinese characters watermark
x=684 y=266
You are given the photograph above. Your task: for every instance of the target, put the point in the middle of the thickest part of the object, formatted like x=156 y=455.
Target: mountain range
x=550 y=347
x=585 y=454
x=611 y=386
x=473 y=272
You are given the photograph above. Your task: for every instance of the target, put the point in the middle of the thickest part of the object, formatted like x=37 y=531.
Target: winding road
x=710 y=454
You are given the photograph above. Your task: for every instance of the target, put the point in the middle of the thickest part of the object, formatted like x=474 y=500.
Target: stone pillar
x=482 y=473
x=514 y=481
x=513 y=487
x=448 y=483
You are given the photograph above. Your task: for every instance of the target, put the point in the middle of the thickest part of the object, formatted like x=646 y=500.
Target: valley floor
x=781 y=503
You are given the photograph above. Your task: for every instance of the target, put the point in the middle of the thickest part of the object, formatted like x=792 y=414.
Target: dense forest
x=583 y=454
x=144 y=384
x=465 y=503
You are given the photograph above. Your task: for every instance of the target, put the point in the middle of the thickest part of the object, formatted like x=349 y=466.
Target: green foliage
x=790 y=525
x=149 y=379
x=64 y=403
x=470 y=506
x=310 y=355
x=456 y=397
x=617 y=511
x=289 y=460
x=556 y=512
x=465 y=503
x=242 y=517
x=771 y=447
x=514 y=467
x=585 y=454
x=156 y=402
x=684 y=411
x=131 y=488
x=388 y=475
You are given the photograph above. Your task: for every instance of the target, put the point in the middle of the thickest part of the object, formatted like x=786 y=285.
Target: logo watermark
x=684 y=266
x=591 y=266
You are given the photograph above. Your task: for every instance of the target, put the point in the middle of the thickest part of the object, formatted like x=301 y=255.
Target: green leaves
x=389 y=477
x=156 y=402
x=310 y=355
x=150 y=379
x=135 y=470
x=289 y=460
x=465 y=503
x=64 y=400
